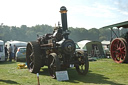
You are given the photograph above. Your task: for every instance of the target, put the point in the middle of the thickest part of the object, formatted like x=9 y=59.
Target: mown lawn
x=101 y=72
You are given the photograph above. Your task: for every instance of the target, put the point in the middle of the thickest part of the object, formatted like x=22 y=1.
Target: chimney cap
x=63 y=8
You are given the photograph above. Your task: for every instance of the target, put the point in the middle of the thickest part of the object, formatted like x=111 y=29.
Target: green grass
x=101 y=72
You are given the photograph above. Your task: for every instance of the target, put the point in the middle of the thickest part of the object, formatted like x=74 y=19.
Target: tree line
x=25 y=33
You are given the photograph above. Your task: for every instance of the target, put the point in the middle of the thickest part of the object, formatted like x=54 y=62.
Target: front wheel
x=53 y=64
x=83 y=65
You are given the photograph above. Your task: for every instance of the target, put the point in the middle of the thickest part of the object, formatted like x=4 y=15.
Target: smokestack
x=63 y=12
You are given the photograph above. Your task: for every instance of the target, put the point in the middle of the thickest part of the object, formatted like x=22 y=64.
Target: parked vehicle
x=106 y=45
x=79 y=49
x=21 y=54
x=119 y=42
x=77 y=46
x=56 y=51
x=2 y=52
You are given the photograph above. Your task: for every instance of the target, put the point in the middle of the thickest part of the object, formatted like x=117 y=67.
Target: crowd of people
x=10 y=52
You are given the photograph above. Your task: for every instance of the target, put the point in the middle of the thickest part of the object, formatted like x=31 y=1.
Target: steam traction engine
x=119 y=45
x=56 y=51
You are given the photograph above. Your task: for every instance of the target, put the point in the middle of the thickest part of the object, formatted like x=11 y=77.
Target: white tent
x=104 y=42
x=93 y=48
x=83 y=43
x=17 y=43
x=1 y=42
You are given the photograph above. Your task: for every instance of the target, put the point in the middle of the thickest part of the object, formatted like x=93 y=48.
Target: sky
x=81 y=13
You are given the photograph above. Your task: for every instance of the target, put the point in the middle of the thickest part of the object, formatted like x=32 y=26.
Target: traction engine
x=56 y=51
x=119 y=42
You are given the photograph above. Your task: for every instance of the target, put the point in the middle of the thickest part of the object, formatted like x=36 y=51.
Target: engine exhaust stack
x=63 y=12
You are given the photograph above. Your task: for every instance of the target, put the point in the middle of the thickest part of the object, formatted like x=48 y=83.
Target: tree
x=25 y=33
x=93 y=34
x=105 y=34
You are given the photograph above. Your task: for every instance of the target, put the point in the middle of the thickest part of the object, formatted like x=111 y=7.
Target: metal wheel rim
x=82 y=67
x=30 y=57
x=52 y=69
x=118 y=50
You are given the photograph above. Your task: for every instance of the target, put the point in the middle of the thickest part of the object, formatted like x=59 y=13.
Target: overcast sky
x=81 y=13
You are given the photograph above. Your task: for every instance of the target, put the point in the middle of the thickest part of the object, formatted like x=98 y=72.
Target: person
x=15 y=50
x=10 y=53
x=6 y=52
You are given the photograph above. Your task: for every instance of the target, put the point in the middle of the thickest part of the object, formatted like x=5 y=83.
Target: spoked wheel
x=83 y=66
x=33 y=57
x=119 y=50
x=53 y=64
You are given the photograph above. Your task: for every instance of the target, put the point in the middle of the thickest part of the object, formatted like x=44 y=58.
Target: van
x=2 y=52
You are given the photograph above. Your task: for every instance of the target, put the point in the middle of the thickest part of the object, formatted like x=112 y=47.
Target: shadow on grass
x=7 y=62
x=8 y=81
x=89 y=78
x=45 y=72
x=74 y=77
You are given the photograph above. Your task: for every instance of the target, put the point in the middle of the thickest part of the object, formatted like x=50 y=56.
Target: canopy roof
x=17 y=43
x=1 y=41
x=118 y=25
x=105 y=42
x=83 y=43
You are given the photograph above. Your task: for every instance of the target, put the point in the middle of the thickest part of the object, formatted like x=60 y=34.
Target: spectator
x=10 y=53
x=13 y=52
x=15 y=49
x=6 y=52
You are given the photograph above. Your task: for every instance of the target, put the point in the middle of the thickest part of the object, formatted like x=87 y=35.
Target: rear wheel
x=83 y=65
x=33 y=57
x=119 y=50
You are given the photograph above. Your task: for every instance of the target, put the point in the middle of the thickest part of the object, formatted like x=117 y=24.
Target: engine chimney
x=63 y=12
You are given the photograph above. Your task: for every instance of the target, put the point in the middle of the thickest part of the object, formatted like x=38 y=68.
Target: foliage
x=25 y=33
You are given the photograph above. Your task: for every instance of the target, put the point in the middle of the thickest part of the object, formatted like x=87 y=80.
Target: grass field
x=101 y=72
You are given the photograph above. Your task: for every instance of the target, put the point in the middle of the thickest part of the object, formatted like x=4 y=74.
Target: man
x=6 y=52
x=15 y=50
x=10 y=53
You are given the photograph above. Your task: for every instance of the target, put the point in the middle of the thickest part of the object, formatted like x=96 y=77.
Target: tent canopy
x=105 y=42
x=118 y=25
x=17 y=43
x=83 y=43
